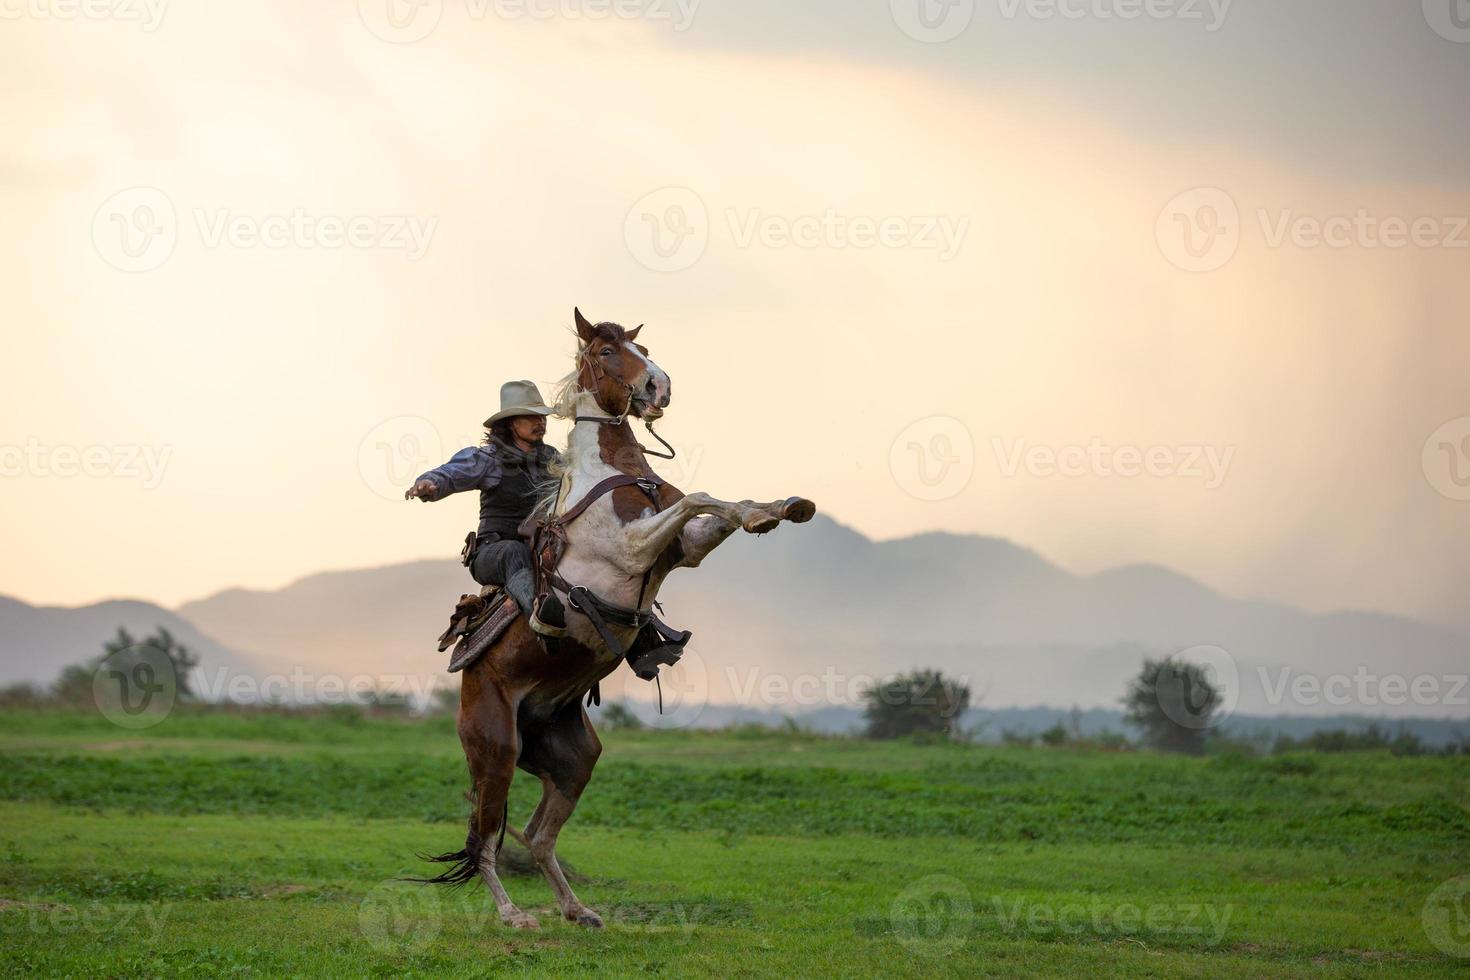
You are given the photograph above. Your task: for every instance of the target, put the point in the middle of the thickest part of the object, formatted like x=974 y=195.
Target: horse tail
x=464 y=864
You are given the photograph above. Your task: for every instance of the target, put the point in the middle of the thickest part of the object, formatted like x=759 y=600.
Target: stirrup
x=542 y=627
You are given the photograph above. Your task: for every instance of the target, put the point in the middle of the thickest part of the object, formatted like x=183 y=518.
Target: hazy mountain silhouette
x=826 y=606
x=36 y=642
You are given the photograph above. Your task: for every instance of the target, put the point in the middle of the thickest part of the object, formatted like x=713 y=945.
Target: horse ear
x=633 y=334
x=584 y=329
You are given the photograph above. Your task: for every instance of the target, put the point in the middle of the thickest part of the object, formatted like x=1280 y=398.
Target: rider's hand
x=424 y=489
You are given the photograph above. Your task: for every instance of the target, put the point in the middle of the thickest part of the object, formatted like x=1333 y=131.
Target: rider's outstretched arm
x=474 y=468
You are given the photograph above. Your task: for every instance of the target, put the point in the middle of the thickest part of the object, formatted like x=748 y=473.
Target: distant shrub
x=1173 y=703
x=1055 y=735
x=618 y=716
x=1370 y=739
x=921 y=702
x=21 y=696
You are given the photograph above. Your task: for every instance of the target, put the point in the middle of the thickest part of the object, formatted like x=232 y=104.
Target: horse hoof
x=798 y=510
x=587 y=918
x=761 y=523
x=522 y=920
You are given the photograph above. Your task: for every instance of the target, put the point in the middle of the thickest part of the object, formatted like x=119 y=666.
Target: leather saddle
x=476 y=623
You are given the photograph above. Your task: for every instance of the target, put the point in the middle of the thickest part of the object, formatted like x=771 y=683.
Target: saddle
x=476 y=623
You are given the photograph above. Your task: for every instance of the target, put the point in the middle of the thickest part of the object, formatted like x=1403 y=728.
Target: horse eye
x=606 y=351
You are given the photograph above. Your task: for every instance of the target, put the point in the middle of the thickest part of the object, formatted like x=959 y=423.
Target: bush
x=1172 y=702
x=921 y=702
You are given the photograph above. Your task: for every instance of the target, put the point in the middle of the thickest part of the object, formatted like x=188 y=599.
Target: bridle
x=599 y=375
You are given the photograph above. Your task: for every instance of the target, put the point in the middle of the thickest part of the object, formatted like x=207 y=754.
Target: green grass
x=268 y=844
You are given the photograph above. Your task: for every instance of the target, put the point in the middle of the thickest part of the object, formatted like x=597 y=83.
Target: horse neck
x=596 y=450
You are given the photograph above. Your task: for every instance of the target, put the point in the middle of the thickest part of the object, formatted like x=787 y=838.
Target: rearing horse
x=521 y=703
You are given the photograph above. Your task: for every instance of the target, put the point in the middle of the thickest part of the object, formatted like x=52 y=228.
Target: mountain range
x=803 y=618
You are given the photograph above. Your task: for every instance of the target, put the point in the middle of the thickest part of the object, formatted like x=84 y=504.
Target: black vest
x=522 y=479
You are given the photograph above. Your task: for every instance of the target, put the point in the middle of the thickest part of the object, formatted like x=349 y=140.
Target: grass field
x=268 y=844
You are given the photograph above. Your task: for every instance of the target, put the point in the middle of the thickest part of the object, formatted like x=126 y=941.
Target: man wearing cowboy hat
x=510 y=470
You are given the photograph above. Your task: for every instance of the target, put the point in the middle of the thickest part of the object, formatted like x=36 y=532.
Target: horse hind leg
x=488 y=733
x=562 y=754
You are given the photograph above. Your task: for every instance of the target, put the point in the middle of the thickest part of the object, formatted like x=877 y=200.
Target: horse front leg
x=705 y=533
x=649 y=537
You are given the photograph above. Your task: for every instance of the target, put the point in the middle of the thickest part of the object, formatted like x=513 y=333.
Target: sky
x=1188 y=287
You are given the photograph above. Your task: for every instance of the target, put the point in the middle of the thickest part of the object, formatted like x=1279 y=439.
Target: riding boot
x=544 y=612
x=522 y=588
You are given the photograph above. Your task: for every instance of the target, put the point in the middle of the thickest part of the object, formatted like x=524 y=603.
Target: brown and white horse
x=521 y=704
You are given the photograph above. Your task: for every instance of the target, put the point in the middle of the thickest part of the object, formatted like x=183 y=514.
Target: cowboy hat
x=518 y=398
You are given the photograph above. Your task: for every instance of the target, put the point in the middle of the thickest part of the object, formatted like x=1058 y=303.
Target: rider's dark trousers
x=496 y=561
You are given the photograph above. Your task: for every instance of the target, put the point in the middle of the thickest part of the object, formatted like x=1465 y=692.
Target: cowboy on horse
x=609 y=534
x=511 y=470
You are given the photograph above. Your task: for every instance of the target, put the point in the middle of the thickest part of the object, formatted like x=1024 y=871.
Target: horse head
x=618 y=370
